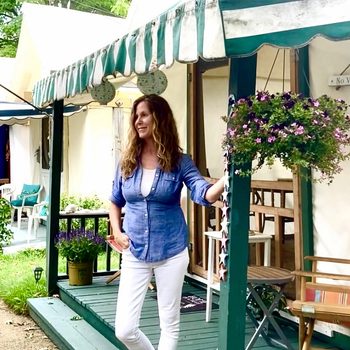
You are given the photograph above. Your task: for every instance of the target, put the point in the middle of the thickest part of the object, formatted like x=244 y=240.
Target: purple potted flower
x=81 y=247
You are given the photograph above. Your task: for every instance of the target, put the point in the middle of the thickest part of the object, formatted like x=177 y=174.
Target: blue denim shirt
x=155 y=224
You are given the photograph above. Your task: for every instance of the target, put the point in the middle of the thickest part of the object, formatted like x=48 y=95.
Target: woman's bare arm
x=214 y=192
x=115 y=218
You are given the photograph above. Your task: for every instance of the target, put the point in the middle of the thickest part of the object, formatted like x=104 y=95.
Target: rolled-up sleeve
x=117 y=192
x=194 y=181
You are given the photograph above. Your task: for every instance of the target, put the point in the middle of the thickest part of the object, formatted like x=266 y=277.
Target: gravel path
x=19 y=332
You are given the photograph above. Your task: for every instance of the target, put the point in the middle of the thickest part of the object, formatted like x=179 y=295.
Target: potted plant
x=81 y=247
x=300 y=131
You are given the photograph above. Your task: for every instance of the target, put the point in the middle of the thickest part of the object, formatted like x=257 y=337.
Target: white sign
x=339 y=80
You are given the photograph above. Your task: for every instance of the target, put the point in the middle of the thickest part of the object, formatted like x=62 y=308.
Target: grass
x=17 y=282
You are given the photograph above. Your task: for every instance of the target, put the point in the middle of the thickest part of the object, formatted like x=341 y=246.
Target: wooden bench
x=324 y=296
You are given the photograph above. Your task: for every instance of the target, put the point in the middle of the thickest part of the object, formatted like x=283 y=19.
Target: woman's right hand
x=122 y=239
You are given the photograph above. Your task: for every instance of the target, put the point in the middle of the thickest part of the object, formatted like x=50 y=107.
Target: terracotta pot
x=80 y=273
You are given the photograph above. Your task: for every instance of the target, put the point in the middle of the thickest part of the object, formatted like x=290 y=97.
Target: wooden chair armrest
x=333 y=276
x=327 y=259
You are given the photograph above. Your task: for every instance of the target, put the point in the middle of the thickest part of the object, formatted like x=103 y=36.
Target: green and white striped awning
x=211 y=29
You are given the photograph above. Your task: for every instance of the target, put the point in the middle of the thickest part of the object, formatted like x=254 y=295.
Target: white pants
x=135 y=278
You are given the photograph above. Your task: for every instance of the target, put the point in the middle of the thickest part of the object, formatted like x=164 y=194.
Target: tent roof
x=19 y=113
x=211 y=29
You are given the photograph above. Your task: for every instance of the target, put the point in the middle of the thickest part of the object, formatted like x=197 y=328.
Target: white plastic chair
x=38 y=213
x=6 y=191
x=25 y=202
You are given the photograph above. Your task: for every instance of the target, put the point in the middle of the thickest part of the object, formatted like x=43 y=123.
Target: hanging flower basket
x=300 y=131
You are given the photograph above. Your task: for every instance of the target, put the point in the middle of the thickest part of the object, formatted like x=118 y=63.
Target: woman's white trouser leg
x=169 y=280
x=134 y=279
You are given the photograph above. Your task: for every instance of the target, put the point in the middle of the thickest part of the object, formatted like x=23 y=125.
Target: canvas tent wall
x=50 y=38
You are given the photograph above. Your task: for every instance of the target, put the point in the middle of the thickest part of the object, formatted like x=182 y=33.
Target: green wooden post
x=54 y=203
x=302 y=71
x=233 y=290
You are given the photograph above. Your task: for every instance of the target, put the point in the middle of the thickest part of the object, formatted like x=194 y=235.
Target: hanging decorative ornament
x=224 y=224
x=103 y=93
x=152 y=83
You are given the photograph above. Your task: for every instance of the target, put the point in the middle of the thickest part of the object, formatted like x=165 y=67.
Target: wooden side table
x=267 y=276
x=215 y=236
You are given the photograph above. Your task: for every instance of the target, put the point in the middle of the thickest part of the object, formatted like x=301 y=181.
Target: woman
x=148 y=184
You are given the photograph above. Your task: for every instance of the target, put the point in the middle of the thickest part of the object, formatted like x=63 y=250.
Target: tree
x=11 y=17
x=10 y=24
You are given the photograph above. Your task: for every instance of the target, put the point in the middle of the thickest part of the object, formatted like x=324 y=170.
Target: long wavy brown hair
x=164 y=133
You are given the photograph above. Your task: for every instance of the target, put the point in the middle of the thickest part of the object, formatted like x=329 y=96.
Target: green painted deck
x=96 y=304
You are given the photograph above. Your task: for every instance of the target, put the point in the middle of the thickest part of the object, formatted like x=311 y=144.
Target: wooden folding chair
x=324 y=296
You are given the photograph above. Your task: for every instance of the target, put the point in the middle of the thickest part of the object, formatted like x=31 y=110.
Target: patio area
x=96 y=304
x=20 y=238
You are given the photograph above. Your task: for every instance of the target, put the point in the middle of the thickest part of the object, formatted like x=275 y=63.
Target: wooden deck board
x=100 y=300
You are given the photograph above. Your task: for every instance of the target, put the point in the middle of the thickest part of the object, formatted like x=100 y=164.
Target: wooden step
x=65 y=327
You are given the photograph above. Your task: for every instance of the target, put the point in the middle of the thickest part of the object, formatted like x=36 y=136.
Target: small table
x=217 y=235
x=267 y=276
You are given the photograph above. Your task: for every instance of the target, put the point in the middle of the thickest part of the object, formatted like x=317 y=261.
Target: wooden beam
x=54 y=193
x=233 y=290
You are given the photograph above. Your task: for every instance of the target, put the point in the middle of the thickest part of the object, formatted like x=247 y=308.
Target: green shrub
x=91 y=203
x=6 y=234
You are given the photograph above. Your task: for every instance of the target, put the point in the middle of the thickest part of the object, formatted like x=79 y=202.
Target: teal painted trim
x=161 y=39
x=233 y=290
x=121 y=57
x=290 y=38
x=306 y=214
x=54 y=195
x=339 y=340
x=84 y=75
x=108 y=60
x=305 y=174
x=242 y=4
x=303 y=70
x=148 y=44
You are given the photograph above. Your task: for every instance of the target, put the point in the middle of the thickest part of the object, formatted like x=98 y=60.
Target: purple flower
x=299 y=130
x=262 y=96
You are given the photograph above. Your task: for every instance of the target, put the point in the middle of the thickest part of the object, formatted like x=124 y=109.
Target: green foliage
x=300 y=131
x=121 y=7
x=91 y=203
x=10 y=23
x=79 y=245
x=6 y=234
x=17 y=282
